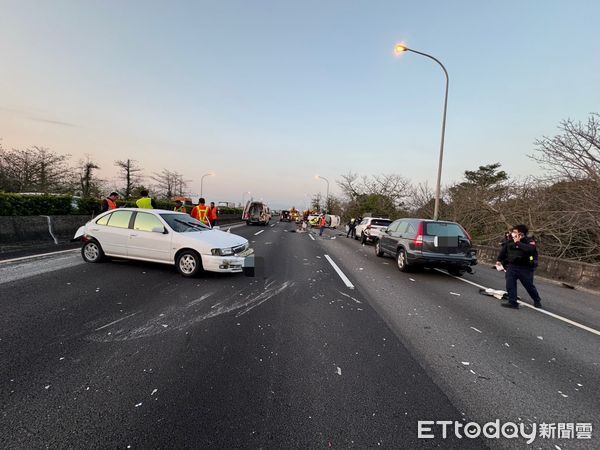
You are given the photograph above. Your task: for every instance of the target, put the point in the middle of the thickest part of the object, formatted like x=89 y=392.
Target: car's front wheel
x=92 y=252
x=188 y=263
x=378 y=250
x=402 y=261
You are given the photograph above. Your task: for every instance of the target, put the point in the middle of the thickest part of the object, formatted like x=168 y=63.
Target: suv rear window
x=381 y=222
x=443 y=229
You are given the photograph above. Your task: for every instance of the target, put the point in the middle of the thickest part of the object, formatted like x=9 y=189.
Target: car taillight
x=368 y=227
x=418 y=242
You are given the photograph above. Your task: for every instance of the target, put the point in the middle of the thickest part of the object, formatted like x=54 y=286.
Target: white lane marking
x=475 y=329
x=273 y=225
x=24 y=258
x=542 y=311
x=311 y=236
x=346 y=295
x=118 y=320
x=257 y=233
x=339 y=272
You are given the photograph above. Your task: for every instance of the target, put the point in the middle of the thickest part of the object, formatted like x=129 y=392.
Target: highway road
x=328 y=346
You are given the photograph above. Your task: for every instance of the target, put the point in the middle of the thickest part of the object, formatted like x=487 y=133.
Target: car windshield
x=381 y=222
x=444 y=229
x=183 y=223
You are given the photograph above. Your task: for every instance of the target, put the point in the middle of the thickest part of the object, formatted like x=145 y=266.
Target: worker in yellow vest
x=145 y=202
x=179 y=207
x=200 y=212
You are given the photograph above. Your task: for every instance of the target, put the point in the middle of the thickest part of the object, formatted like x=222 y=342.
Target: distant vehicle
x=331 y=220
x=369 y=229
x=162 y=236
x=285 y=216
x=295 y=215
x=256 y=212
x=427 y=243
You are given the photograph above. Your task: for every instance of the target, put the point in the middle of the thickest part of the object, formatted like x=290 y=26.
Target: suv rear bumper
x=441 y=261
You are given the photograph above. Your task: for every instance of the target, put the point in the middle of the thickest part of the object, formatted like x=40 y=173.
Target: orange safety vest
x=212 y=214
x=323 y=222
x=200 y=212
x=180 y=209
x=111 y=204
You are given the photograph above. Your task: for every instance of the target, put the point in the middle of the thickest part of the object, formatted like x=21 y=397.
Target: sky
x=266 y=94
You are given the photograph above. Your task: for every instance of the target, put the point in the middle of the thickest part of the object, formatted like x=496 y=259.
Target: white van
x=256 y=212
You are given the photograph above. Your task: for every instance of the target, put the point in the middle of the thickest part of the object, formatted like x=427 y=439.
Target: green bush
x=34 y=205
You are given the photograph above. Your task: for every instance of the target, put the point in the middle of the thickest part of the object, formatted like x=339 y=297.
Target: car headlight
x=222 y=251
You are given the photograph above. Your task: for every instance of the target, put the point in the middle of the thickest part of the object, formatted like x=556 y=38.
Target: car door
x=147 y=244
x=112 y=232
x=386 y=241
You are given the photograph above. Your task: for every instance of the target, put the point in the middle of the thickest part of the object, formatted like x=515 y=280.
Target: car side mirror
x=160 y=230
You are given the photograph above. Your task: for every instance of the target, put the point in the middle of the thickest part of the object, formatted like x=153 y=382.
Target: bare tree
x=35 y=169
x=169 y=183
x=87 y=182
x=575 y=153
x=130 y=173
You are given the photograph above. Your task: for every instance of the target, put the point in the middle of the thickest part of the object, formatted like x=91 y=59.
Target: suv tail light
x=418 y=242
x=369 y=227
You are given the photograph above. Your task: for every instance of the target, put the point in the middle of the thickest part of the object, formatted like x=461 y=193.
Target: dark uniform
x=520 y=260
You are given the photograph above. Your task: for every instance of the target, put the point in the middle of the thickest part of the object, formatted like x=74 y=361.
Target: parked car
x=164 y=237
x=369 y=229
x=427 y=243
x=256 y=212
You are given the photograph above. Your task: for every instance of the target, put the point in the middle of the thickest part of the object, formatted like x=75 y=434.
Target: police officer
x=519 y=259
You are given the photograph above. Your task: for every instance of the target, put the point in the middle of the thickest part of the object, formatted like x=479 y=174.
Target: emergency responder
x=110 y=202
x=212 y=214
x=200 y=212
x=179 y=207
x=519 y=259
x=351 y=228
x=145 y=202
x=322 y=224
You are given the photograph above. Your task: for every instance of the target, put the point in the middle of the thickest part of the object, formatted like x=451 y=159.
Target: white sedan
x=165 y=237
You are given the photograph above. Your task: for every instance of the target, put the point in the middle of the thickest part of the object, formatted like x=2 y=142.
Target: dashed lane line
x=339 y=272
x=311 y=236
x=258 y=232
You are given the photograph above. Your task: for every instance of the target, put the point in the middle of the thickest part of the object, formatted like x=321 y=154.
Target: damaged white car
x=164 y=237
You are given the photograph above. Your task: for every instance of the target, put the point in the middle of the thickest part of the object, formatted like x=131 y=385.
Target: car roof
x=147 y=210
x=427 y=220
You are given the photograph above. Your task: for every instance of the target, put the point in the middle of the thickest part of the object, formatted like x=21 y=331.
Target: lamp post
x=327 y=198
x=400 y=48
x=209 y=174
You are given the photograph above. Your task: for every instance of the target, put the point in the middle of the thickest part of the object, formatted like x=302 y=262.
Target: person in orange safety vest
x=200 y=212
x=212 y=214
x=110 y=202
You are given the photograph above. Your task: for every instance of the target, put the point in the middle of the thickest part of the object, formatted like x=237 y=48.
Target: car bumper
x=228 y=264
x=442 y=261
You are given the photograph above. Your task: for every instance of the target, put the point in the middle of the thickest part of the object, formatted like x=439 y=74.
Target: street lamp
x=401 y=48
x=209 y=174
x=327 y=198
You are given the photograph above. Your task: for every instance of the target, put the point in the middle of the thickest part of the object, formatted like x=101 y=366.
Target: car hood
x=214 y=238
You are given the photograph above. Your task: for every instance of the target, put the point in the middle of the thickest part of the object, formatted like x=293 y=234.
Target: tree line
x=41 y=170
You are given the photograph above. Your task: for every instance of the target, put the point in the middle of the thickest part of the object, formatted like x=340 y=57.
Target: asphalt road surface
x=125 y=354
